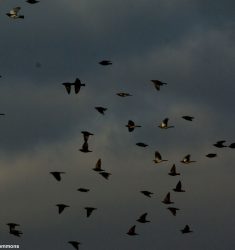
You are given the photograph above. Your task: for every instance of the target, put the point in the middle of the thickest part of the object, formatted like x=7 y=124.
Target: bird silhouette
x=32 y=1
x=89 y=211
x=164 y=124
x=158 y=84
x=12 y=225
x=232 y=145
x=186 y=159
x=61 y=207
x=98 y=166
x=173 y=210
x=105 y=175
x=67 y=86
x=75 y=244
x=158 y=158
x=57 y=175
x=167 y=199
x=85 y=148
x=141 y=144
x=178 y=187
x=105 y=62
x=101 y=110
x=131 y=126
x=14 y=13
x=173 y=171
x=123 y=94
x=15 y=232
x=147 y=193
x=78 y=85
x=131 y=231
x=142 y=218
x=211 y=155
x=188 y=118
x=83 y=190
x=220 y=144
x=186 y=229
x=86 y=135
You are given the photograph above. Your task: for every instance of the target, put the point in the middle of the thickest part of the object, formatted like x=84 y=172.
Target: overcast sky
x=188 y=44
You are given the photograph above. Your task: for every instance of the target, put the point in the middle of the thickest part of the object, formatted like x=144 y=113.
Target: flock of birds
x=76 y=87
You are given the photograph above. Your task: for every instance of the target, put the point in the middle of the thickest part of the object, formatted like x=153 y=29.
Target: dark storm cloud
x=189 y=45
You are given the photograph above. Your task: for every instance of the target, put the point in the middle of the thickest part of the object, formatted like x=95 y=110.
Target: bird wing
x=178 y=185
x=15 y=10
x=158 y=156
x=131 y=123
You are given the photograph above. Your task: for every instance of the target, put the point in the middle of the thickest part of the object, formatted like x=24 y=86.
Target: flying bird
x=123 y=94
x=105 y=62
x=220 y=144
x=77 y=86
x=142 y=218
x=86 y=135
x=101 y=110
x=85 y=148
x=147 y=193
x=167 y=199
x=75 y=244
x=12 y=225
x=97 y=167
x=15 y=232
x=186 y=229
x=83 y=190
x=158 y=84
x=105 y=175
x=67 y=86
x=186 y=159
x=141 y=144
x=173 y=210
x=178 y=187
x=211 y=155
x=14 y=13
x=57 y=175
x=158 y=158
x=173 y=171
x=232 y=145
x=131 y=126
x=61 y=207
x=188 y=118
x=32 y=1
x=132 y=231
x=164 y=124
x=89 y=211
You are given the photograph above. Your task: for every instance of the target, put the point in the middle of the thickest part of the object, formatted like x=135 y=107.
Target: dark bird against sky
x=131 y=231
x=187 y=159
x=105 y=62
x=61 y=207
x=57 y=175
x=164 y=124
x=131 y=126
x=167 y=199
x=158 y=84
x=75 y=244
x=173 y=171
x=89 y=211
x=142 y=218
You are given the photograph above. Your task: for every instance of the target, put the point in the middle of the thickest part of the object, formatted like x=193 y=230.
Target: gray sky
x=189 y=45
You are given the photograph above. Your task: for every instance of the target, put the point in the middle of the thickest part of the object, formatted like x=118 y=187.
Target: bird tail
x=22 y=17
